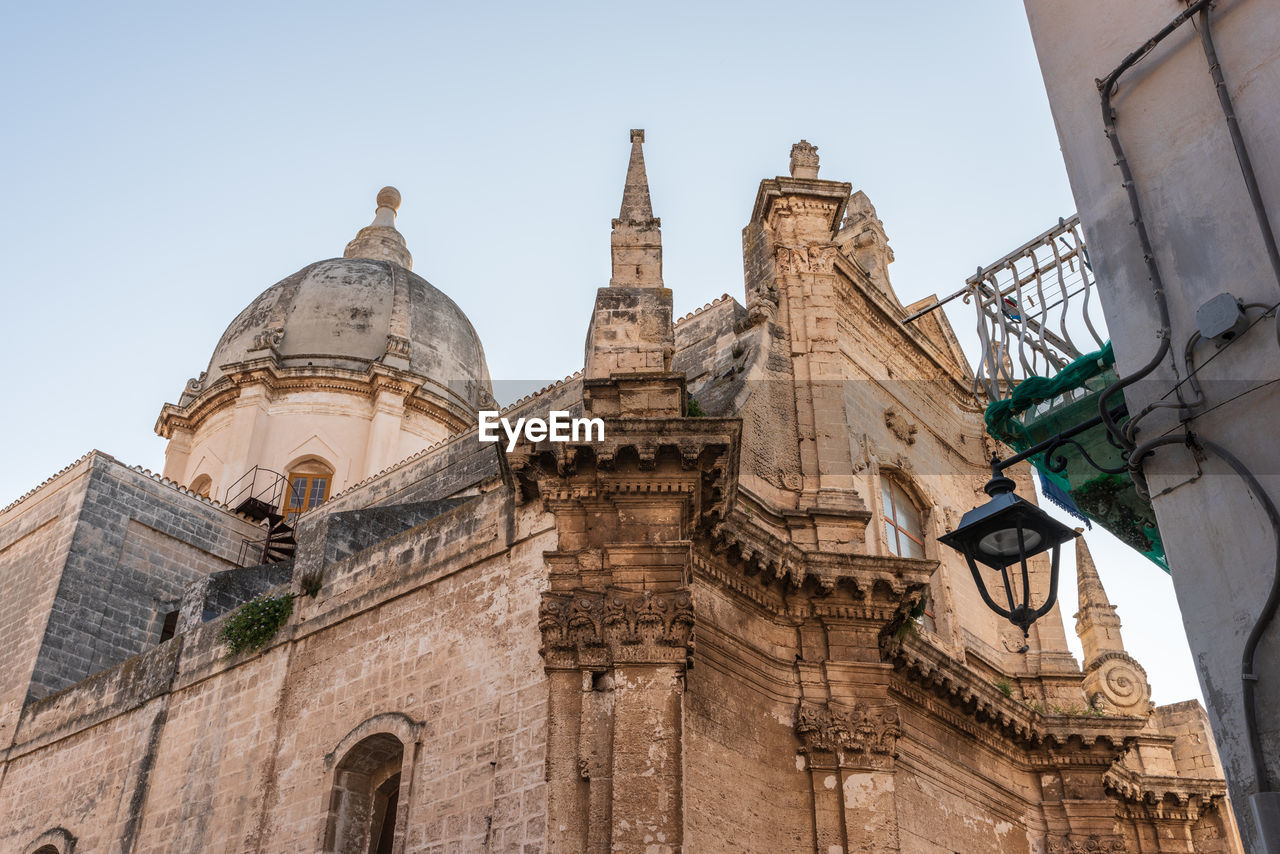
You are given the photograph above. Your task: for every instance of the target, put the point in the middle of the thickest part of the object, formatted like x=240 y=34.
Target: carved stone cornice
x=1046 y=740
x=1157 y=796
x=422 y=395
x=779 y=196
x=626 y=462
x=861 y=738
x=586 y=628
x=750 y=545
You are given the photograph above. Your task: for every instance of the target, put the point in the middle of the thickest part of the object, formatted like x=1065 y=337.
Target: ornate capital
x=861 y=738
x=611 y=626
x=1090 y=845
x=796 y=260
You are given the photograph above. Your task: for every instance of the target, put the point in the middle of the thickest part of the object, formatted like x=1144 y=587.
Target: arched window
x=202 y=486
x=903 y=520
x=309 y=482
x=57 y=840
x=365 y=800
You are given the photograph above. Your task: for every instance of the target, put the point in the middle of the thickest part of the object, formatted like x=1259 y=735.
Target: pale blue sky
x=162 y=164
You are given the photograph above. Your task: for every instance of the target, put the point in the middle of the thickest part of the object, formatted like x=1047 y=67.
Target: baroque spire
x=637 y=237
x=1113 y=680
x=380 y=240
x=1096 y=622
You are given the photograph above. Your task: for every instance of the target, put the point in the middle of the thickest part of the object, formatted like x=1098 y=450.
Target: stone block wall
x=183 y=750
x=35 y=536
x=136 y=545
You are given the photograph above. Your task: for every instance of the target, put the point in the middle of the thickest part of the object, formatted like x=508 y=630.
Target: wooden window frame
x=309 y=471
x=894 y=489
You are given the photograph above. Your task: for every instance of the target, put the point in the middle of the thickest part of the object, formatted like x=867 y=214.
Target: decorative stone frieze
x=861 y=738
x=616 y=625
x=800 y=260
x=1091 y=845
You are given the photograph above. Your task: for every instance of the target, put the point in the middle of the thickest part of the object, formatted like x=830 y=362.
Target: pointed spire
x=1088 y=583
x=636 y=206
x=1113 y=681
x=1097 y=625
x=380 y=240
x=637 y=238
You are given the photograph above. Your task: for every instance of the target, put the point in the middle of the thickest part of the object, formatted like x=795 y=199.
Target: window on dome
x=309 y=484
x=202 y=486
x=903 y=521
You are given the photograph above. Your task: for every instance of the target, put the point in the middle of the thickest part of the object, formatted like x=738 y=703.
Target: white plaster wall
x=276 y=433
x=1221 y=547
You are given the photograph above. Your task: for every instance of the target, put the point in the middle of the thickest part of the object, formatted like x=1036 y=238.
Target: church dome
x=351 y=312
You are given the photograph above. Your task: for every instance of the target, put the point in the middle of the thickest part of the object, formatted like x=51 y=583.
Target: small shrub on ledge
x=255 y=623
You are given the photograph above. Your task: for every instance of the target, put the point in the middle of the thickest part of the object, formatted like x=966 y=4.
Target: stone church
x=339 y=622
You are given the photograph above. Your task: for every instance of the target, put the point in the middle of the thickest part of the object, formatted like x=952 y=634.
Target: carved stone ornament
x=1092 y=845
x=1118 y=684
x=397 y=345
x=195 y=384
x=268 y=339
x=628 y=626
x=862 y=737
x=804 y=160
x=805 y=259
x=900 y=426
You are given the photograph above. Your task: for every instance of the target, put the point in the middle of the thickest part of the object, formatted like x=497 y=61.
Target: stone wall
x=138 y=543
x=183 y=750
x=35 y=536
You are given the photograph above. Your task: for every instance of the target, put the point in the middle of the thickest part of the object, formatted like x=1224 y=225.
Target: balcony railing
x=1037 y=310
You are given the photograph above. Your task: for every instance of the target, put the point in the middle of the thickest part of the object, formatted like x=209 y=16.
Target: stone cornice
x=626 y=462
x=772 y=189
x=756 y=551
x=1047 y=740
x=1160 y=795
x=423 y=396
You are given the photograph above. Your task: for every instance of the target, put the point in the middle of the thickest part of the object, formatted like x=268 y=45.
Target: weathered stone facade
x=702 y=633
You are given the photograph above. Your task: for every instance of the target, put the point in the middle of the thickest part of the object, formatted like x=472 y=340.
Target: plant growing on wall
x=253 y=624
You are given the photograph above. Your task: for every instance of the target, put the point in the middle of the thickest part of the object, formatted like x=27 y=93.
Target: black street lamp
x=1008 y=530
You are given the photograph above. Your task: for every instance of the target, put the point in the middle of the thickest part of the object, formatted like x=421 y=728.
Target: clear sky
x=162 y=164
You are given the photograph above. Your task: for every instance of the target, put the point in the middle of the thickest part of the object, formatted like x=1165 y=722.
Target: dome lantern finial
x=380 y=240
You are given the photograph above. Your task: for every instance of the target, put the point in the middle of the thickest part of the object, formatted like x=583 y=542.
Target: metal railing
x=1033 y=309
x=259 y=484
x=1036 y=309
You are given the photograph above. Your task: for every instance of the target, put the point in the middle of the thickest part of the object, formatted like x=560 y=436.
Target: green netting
x=1041 y=407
